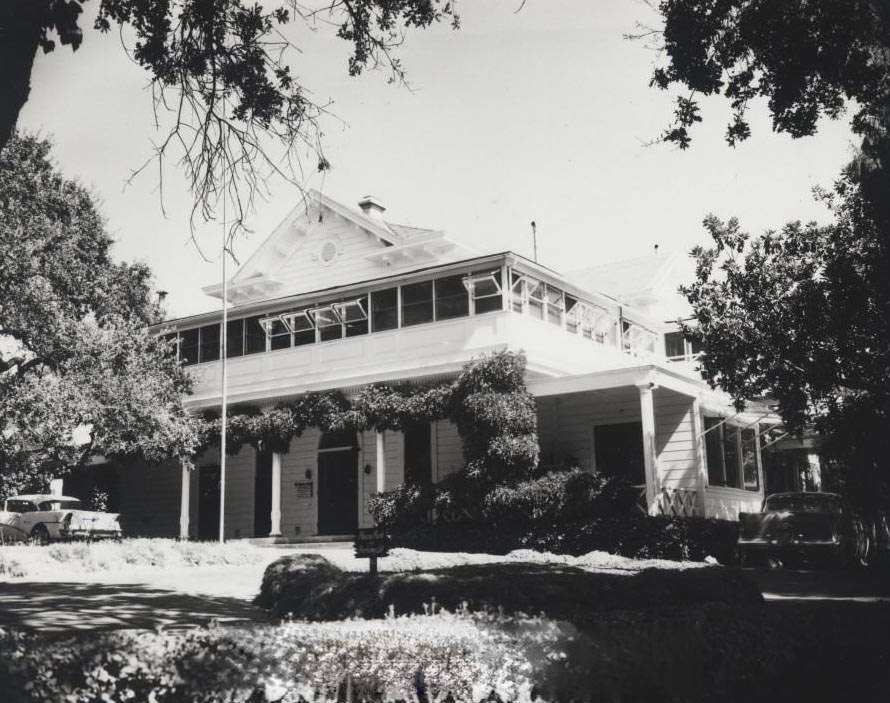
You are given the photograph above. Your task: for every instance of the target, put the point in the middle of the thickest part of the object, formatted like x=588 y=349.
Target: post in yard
x=371 y=543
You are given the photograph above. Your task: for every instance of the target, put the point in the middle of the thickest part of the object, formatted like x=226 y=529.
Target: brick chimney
x=372 y=208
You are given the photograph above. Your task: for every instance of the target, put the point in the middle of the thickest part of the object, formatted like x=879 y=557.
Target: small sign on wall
x=304 y=489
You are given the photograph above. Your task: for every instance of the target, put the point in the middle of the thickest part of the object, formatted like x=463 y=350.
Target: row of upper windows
x=410 y=304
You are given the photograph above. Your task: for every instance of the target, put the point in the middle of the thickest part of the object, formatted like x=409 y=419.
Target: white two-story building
x=337 y=298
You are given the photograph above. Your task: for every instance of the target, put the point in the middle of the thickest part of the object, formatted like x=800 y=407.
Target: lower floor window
x=731 y=454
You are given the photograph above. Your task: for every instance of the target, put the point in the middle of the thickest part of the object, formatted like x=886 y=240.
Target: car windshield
x=59 y=505
x=804 y=503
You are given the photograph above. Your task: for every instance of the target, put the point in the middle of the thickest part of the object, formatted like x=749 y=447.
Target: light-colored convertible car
x=43 y=518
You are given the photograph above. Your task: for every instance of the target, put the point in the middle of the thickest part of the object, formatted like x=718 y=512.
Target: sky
x=541 y=114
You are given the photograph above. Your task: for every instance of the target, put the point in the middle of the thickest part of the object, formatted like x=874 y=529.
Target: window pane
x=299 y=321
x=209 y=350
x=535 y=292
x=674 y=345
x=235 y=338
x=384 y=310
x=304 y=338
x=355 y=316
x=451 y=298
x=487 y=295
x=353 y=310
x=573 y=310
x=188 y=346
x=280 y=336
x=749 y=460
x=254 y=336
x=417 y=303
x=328 y=323
x=714 y=452
x=516 y=291
x=555 y=305
x=731 y=455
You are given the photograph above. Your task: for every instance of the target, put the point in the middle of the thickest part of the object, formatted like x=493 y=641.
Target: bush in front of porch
x=630 y=535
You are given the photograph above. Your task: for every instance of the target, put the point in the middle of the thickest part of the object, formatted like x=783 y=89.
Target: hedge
x=309 y=587
x=630 y=535
x=711 y=652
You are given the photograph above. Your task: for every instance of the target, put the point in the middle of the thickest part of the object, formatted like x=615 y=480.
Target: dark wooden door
x=337 y=492
x=208 y=502
x=619 y=451
x=262 y=495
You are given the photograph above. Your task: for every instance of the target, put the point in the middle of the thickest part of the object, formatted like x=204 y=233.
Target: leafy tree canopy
x=803 y=315
x=807 y=58
x=223 y=74
x=74 y=353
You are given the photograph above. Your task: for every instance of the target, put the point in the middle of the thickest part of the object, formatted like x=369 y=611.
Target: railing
x=677 y=502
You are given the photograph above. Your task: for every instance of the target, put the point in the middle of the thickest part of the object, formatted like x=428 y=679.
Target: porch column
x=647 y=416
x=276 y=495
x=184 y=501
x=701 y=481
x=381 y=462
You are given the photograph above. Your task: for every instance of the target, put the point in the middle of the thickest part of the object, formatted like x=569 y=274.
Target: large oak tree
x=79 y=373
x=802 y=313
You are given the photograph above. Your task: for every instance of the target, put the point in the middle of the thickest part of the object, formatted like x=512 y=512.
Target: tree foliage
x=803 y=315
x=223 y=74
x=807 y=58
x=74 y=352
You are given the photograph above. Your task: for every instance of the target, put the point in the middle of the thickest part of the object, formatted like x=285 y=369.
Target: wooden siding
x=303 y=269
x=449 y=451
x=565 y=423
x=727 y=503
x=675 y=441
x=240 y=472
x=566 y=429
x=299 y=515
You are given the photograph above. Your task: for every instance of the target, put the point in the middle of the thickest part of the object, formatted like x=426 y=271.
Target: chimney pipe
x=372 y=208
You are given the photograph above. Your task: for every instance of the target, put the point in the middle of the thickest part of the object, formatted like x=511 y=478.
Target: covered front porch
x=648 y=425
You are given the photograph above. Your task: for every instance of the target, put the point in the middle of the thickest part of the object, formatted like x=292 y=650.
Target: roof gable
x=322 y=243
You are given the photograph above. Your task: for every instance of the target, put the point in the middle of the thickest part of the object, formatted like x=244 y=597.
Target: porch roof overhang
x=653 y=375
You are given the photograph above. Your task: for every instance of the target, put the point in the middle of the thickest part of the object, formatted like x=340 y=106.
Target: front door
x=619 y=451
x=208 y=502
x=338 y=491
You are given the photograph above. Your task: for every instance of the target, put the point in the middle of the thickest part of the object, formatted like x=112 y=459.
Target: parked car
x=44 y=518
x=804 y=527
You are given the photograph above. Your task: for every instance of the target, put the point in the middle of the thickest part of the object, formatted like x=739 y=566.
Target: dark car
x=794 y=528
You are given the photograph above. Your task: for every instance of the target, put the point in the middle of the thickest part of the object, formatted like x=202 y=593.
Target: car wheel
x=40 y=535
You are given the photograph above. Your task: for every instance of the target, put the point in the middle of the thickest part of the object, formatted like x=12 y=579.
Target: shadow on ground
x=70 y=606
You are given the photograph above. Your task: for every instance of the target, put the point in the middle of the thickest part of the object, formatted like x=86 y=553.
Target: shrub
x=627 y=535
x=496 y=418
x=404 y=506
x=563 y=495
x=313 y=589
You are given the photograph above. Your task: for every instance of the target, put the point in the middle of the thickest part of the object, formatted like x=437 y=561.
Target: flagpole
x=223 y=354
